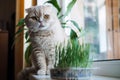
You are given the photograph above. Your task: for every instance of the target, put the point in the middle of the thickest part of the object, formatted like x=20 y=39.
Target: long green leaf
x=75 y=24
x=28 y=40
x=69 y=7
x=55 y=4
x=28 y=53
x=64 y=26
x=26 y=35
x=73 y=34
x=21 y=22
x=20 y=30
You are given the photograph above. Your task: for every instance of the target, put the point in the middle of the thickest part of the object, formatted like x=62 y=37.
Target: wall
x=3 y=54
x=7 y=16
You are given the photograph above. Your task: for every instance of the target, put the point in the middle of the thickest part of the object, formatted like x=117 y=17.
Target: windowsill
x=104 y=78
x=37 y=77
x=107 y=68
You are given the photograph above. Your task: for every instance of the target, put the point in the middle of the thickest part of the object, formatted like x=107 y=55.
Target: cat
x=45 y=33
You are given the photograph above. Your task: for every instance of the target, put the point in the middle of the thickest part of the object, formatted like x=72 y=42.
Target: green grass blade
x=73 y=55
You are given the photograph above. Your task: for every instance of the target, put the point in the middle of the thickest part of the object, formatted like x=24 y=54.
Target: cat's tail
x=24 y=74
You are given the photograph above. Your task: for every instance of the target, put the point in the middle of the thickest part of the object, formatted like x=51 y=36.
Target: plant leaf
x=20 y=30
x=55 y=4
x=73 y=34
x=75 y=24
x=28 y=40
x=28 y=53
x=21 y=22
x=69 y=7
x=82 y=32
x=64 y=26
x=26 y=35
x=60 y=17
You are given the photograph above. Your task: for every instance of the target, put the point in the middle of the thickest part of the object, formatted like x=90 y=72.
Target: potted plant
x=72 y=62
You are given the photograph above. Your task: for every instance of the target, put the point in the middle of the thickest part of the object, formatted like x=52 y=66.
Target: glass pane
x=95 y=25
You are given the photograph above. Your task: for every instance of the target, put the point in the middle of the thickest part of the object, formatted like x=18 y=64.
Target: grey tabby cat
x=45 y=32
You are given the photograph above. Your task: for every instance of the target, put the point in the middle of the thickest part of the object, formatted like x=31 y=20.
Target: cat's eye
x=34 y=18
x=46 y=16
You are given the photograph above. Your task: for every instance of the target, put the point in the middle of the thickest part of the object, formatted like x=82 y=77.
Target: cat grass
x=72 y=55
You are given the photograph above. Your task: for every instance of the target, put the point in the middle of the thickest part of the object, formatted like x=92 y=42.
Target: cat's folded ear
x=49 y=6
x=28 y=10
x=52 y=8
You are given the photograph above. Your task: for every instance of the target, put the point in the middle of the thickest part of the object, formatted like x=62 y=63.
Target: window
x=95 y=24
x=101 y=21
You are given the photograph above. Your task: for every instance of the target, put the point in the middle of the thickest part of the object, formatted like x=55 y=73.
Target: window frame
x=112 y=7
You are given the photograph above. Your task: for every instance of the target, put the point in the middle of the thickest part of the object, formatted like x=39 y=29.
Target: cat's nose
x=39 y=21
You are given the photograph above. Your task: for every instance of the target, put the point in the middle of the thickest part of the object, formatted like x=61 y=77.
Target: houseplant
x=72 y=61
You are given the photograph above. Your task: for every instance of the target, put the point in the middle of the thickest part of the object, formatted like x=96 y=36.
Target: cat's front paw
x=41 y=72
x=48 y=69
